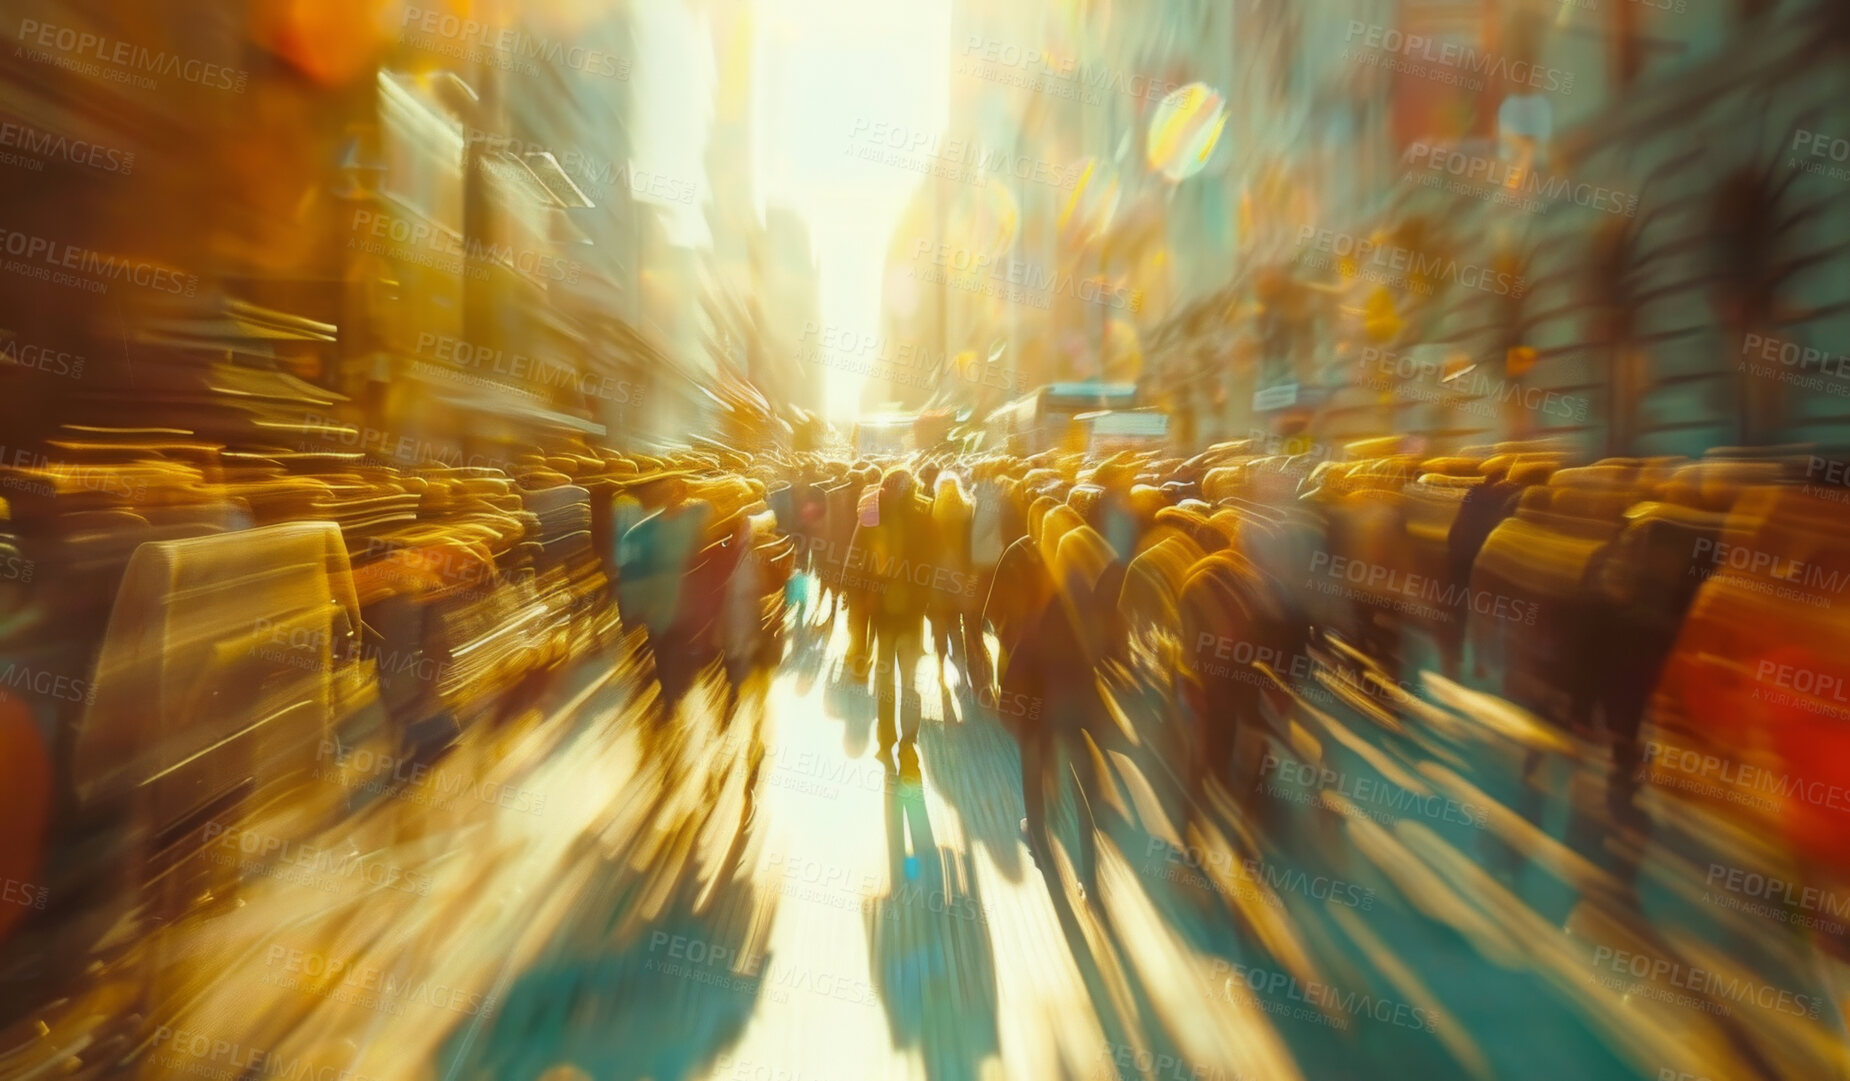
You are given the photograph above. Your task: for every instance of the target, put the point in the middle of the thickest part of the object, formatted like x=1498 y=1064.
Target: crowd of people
x=1225 y=585
x=1667 y=626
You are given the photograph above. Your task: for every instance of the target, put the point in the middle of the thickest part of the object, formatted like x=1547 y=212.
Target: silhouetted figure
x=658 y=554
x=890 y=554
x=955 y=605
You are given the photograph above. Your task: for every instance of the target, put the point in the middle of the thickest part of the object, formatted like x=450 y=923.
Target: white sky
x=674 y=81
x=821 y=65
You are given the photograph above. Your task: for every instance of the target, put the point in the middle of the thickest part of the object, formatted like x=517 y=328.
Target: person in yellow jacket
x=890 y=556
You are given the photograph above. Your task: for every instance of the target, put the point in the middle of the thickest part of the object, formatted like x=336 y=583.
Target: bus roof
x=1078 y=396
x=1089 y=394
x=885 y=420
x=1148 y=425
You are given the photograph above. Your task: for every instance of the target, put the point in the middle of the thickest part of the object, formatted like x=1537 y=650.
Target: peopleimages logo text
x=214 y=1057
x=514 y=42
x=51 y=146
x=974 y=269
x=1440 y=594
x=320 y=971
x=23 y=894
x=33 y=472
x=1461 y=57
x=420 y=783
x=1259 y=873
x=547 y=372
x=1778 y=890
x=1254 y=984
x=1793 y=355
x=42 y=358
x=1516 y=178
x=326 y=433
x=1370 y=791
x=1820 y=145
x=1762 y=563
x=896 y=361
x=1704 y=982
x=47 y=684
x=964 y=160
x=372 y=231
x=1265 y=667
x=589 y=171
x=1084 y=81
x=1742 y=777
x=1124 y=1062
x=82 y=260
x=858 y=566
x=81 y=46
x=295 y=856
x=1475 y=383
x=1406 y=264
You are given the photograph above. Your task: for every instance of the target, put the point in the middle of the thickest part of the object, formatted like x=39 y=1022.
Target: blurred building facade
x=436 y=215
x=444 y=221
x=1040 y=235
x=1559 y=243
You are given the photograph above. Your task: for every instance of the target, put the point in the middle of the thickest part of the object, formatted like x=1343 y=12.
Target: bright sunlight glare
x=828 y=64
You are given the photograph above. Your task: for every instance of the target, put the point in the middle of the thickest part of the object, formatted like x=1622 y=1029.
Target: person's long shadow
x=929 y=947
x=976 y=767
x=643 y=1010
x=810 y=646
x=622 y=1000
x=852 y=701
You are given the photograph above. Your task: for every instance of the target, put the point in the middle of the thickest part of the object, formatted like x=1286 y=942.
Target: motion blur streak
x=962 y=540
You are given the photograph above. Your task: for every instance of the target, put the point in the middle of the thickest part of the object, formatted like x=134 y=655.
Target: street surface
x=573 y=896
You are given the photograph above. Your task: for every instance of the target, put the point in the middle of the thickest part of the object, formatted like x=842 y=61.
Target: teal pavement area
x=1360 y=918
x=1368 y=908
